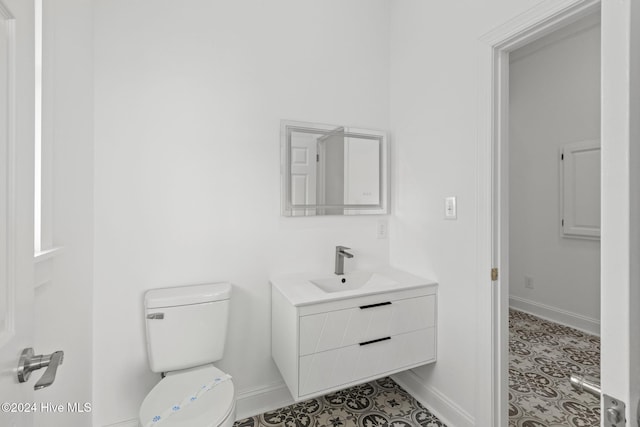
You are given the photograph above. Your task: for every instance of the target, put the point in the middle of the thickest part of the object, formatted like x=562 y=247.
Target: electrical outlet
x=383 y=228
x=528 y=282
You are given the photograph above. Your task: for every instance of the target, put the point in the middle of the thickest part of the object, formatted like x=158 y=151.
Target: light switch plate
x=450 y=208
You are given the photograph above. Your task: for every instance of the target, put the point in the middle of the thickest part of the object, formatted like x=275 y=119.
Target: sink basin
x=305 y=288
x=351 y=281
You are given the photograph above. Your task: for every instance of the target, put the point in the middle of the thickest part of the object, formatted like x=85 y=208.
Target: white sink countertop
x=299 y=290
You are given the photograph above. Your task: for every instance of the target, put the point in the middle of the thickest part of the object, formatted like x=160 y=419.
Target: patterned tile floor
x=380 y=403
x=542 y=356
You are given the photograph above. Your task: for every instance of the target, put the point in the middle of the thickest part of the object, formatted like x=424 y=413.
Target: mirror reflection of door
x=304 y=155
x=331 y=149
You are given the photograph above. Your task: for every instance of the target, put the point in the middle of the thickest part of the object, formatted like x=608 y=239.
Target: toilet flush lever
x=30 y=362
x=159 y=316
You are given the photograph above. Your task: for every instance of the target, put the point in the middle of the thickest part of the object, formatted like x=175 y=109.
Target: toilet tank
x=186 y=326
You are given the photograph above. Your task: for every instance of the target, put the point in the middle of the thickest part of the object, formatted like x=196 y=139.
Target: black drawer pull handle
x=362 y=307
x=372 y=341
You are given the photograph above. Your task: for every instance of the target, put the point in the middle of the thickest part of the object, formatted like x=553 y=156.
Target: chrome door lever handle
x=586 y=383
x=30 y=362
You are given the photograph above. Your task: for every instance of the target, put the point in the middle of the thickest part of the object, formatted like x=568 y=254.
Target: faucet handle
x=342 y=248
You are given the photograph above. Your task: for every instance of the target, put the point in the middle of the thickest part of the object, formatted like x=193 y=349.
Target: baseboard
x=563 y=317
x=440 y=405
x=262 y=399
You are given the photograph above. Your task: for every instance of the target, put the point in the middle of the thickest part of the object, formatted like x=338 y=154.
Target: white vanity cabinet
x=324 y=346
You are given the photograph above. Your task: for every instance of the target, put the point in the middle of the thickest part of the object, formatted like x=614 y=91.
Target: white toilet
x=186 y=331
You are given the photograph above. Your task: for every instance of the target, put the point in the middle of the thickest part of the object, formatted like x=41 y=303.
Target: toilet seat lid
x=210 y=409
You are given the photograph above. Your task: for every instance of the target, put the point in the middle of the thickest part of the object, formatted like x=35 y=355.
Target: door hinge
x=317 y=157
x=494 y=274
x=562 y=156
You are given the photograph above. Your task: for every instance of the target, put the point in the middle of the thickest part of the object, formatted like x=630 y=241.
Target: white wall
x=554 y=100
x=63 y=306
x=434 y=117
x=188 y=99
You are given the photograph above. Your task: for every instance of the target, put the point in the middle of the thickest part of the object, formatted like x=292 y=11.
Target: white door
x=620 y=275
x=16 y=203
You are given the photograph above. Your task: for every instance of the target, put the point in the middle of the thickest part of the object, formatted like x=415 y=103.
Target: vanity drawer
x=341 y=328
x=337 y=368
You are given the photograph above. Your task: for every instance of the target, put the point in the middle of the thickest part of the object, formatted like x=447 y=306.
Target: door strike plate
x=614 y=412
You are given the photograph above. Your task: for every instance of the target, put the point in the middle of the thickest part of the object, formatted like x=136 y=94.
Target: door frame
x=493 y=203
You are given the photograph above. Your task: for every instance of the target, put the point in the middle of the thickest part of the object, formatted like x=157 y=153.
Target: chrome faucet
x=341 y=254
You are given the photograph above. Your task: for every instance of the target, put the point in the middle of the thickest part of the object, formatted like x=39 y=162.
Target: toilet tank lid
x=185 y=295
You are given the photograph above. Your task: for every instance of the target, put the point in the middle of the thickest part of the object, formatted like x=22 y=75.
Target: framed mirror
x=333 y=170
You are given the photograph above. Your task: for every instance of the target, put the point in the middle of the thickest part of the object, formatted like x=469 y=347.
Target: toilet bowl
x=186 y=331
x=213 y=408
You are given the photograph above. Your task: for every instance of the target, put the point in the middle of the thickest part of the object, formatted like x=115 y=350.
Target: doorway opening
x=503 y=41
x=553 y=191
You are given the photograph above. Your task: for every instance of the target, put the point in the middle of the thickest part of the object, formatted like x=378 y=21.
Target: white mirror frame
x=289 y=209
